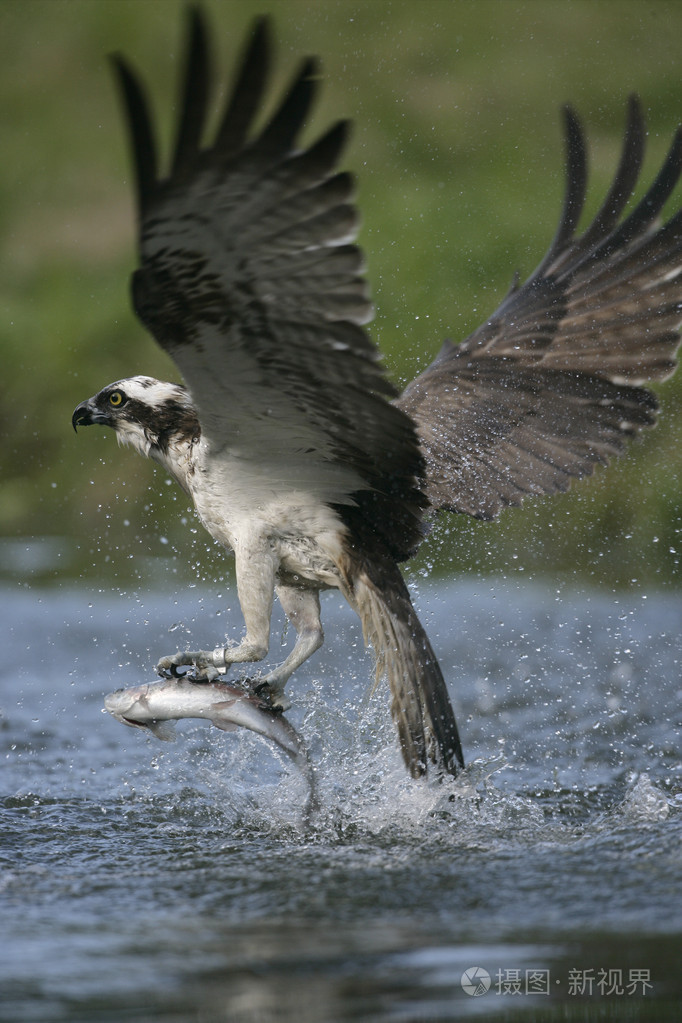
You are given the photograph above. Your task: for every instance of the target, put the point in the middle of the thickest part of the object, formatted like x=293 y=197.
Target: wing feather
x=141 y=132
x=576 y=188
x=281 y=132
x=550 y=387
x=623 y=184
x=193 y=97
x=247 y=93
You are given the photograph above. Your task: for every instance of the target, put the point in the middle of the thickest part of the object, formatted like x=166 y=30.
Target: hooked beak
x=86 y=414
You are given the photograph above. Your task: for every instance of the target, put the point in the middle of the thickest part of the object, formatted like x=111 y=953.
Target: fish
x=156 y=706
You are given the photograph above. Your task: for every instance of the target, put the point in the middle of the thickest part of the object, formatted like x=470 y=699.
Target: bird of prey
x=298 y=453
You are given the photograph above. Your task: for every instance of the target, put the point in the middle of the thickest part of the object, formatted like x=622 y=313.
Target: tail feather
x=420 y=703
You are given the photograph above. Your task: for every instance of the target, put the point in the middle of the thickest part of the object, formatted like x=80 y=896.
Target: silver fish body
x=156 y=706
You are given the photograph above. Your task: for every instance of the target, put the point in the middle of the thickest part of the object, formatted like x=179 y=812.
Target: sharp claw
x=274 y=700
x=200 y=667
x=194 y=676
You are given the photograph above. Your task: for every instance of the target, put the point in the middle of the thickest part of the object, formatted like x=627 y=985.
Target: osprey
x=297 y=452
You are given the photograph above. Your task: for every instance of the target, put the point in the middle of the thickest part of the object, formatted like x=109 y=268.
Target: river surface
x=149 y=881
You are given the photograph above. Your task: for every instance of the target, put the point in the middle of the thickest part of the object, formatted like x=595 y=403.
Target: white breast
x=242 y=504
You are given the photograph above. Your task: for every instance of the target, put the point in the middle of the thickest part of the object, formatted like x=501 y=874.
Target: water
x=145 y=881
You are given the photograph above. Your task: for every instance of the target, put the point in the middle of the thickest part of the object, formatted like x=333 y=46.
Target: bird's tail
x=420 y=704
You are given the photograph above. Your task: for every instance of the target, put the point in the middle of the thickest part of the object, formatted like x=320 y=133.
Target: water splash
x=644 y=802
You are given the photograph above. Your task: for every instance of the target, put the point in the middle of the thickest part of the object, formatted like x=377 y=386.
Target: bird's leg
x=256 y=567
x=302 y=608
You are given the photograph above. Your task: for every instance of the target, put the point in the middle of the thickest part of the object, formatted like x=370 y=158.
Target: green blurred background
x=459 y=157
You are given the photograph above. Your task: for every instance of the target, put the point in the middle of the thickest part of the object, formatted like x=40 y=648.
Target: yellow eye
x=115 y=398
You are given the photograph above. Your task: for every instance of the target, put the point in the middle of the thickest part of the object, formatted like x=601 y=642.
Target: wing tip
x=141 y=132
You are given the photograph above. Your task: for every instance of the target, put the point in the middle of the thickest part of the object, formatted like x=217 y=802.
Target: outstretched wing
x=250 y=280
x=549 y=386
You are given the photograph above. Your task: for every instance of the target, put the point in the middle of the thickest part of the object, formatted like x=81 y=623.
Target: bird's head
x=150 y=415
